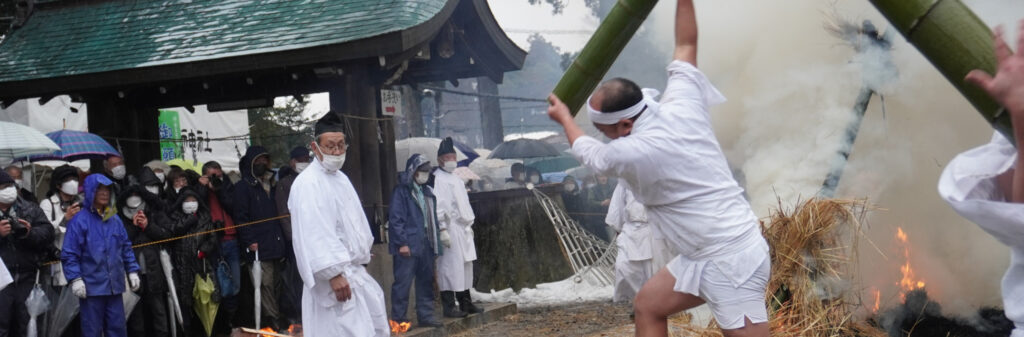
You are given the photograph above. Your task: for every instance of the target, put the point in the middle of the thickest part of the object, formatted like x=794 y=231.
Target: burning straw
x=813 y=254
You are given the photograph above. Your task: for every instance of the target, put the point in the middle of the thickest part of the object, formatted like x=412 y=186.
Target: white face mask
x=570 y=187
x=299 y=167
x=449 y=166
x=153 y=189
x=422 y=177
x=69 y=187
x=160 y=175
x=331 y=163
x=118 y=172
x=133 y=201
x=534 y=179
x=8 y=195
x=190 y=207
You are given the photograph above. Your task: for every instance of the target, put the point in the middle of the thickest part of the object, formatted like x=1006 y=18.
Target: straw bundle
x=813 y=254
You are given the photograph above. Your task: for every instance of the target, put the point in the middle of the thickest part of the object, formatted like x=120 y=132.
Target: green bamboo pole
x=955 y=41
x=587 y=70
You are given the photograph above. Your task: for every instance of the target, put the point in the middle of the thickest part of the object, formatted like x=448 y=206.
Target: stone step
x=492 y=312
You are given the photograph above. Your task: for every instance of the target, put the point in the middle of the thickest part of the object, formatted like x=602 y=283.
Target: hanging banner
x=391 y=102
x=203 y=136
x=170 y=129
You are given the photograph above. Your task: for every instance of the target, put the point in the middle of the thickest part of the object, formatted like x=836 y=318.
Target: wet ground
x=580 y=319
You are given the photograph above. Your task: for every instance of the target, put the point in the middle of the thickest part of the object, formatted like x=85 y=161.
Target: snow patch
x=562 y=292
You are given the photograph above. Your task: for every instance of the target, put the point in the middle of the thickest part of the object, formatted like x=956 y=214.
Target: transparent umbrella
x=257 y=282
x=37 y=304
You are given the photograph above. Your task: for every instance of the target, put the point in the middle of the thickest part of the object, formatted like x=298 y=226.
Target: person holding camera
x=25 y=238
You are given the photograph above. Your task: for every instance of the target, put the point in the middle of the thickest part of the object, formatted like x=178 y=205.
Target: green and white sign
x=170 y=129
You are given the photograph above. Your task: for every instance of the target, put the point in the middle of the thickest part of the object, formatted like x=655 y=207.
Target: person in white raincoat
x=641 y=250
x=986 y=184
x=455 y=265
x=667 y=155
x=332 y=242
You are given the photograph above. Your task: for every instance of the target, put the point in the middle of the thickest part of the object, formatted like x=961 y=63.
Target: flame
x=267 y=329
x=295 y=329
x=909 y=281
x=878 y=301
x=399 y=327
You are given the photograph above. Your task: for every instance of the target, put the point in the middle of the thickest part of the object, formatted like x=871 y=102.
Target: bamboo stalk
x=955 y=41
x=587 y=70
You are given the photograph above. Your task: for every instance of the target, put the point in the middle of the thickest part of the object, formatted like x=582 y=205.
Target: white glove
x=469 y=232
x=446 y=239
x=78 y=288
x=133 y=281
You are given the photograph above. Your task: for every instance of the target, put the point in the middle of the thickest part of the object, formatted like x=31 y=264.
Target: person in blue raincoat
x=96 y=256
x=414 y=242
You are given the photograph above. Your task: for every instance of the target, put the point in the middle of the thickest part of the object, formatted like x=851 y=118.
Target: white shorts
x=729 y=304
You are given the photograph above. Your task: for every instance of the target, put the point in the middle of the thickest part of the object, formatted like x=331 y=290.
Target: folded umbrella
x=62 y=315
x=5 y=276
x=205 y=307
x=257 y=281
x=129 y=299
x=37 y=304
x=165 y=262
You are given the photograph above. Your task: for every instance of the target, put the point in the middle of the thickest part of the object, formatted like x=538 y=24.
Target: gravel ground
x=580 y=319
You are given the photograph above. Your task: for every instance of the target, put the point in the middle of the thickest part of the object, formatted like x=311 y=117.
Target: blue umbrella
x=75 y=145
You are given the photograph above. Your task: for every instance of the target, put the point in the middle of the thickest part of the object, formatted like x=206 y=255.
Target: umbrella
x=466 y=174
x=17 y=141
x=165 y=262
x=523 y=148
x=37 y=304
x=185 y=165
x=205 y=307
x=63 y=313
x=257 y=282
x=75 y=145
x=129 y=299
x=557 y=164
x=427 y=147
x=466 y=149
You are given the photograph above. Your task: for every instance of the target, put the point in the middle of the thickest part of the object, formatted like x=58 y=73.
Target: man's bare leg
x=656 y=301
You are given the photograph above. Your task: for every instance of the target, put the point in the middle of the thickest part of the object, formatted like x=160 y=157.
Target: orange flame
x=295 y=329
x=909 y=281
x=267 y=329
x=399 y=328
x=878 y=301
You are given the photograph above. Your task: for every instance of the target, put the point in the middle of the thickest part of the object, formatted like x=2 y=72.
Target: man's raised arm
x=686 y=32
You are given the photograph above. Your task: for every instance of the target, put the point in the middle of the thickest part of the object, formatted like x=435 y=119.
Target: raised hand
x=1007 y=87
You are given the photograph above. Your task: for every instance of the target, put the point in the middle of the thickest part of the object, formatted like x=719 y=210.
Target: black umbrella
x=523 y=148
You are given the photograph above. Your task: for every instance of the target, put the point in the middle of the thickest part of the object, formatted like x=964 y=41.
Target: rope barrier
x=193 y=235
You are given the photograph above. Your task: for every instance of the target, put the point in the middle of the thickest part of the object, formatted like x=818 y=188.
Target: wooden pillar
x=111 y=117
x=102 y=122
x=339 y=98
x=363 y=105
x=413 y=115
x=490 y=113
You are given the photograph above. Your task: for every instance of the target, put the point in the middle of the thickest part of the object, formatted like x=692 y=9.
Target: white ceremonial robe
x=332 y=237
x=675 y=167
x=641 y=253
x=455 y=265
x=968 y=184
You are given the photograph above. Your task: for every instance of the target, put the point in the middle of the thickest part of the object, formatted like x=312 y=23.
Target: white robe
x=968 y=184
x=641 y=252
x=455 y=265
x=332 y=237
x=674 y=166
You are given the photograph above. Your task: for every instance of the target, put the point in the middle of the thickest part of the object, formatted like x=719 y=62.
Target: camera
x=17 y=228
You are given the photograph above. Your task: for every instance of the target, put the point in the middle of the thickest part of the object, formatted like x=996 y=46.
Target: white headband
x=649 y=102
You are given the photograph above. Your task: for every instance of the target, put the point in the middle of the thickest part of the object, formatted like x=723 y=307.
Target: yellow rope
x=193 y=235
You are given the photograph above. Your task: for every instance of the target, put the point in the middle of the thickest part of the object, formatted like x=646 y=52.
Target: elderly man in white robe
x=455 y=265
x=986 y=184
x=332 y=243
x=642 y=251
x=667 y=155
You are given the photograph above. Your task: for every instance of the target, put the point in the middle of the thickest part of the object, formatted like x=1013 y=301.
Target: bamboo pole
x=587 y=70
x=955 y=41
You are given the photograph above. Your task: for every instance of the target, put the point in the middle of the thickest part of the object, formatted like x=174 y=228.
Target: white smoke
x=792 y=87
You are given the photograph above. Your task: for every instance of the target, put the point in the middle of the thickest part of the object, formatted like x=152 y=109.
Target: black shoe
x=448 y=303
x=466 y=303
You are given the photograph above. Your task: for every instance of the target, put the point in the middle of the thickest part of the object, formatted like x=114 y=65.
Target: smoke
x=792 y=86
